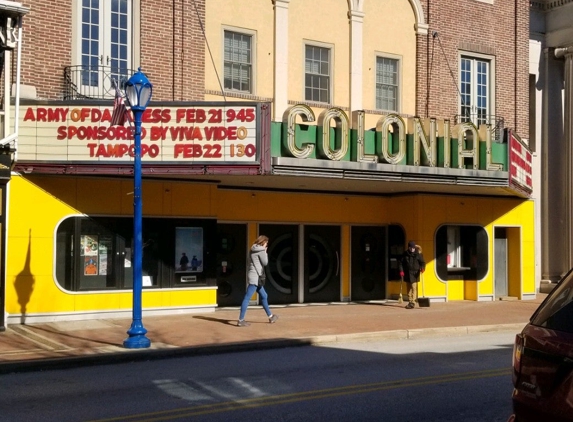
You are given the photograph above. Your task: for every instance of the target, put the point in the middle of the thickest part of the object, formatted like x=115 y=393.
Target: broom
x=400 y=298
x=423 y=302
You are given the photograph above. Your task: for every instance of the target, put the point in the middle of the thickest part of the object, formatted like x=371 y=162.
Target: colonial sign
x=211 y=134
x=425 y=139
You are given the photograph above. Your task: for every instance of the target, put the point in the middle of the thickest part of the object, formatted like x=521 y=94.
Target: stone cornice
x=548 y=5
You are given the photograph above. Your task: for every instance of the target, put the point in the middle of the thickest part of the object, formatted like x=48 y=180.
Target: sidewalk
x=77 y=343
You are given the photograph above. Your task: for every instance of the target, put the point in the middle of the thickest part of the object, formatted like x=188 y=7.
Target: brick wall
x=172 y=48
x=46 y=46
x=500 y=30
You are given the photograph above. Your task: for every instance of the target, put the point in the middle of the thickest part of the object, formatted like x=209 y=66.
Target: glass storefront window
x=461 y=252
x=97 y=253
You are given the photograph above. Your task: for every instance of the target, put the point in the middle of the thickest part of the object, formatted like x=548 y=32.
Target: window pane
x=387 y=84
x=474 y=90
x=237 y=62
x=317 y=74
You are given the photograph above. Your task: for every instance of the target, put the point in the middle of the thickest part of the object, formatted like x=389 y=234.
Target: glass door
x=322 y=264
x=368 y=255
x=231 y=264
x=104 y=52
x=282 y=283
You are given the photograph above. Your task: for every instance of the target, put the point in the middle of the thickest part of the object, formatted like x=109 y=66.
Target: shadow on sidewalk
x=63 y=334
x=219 y=320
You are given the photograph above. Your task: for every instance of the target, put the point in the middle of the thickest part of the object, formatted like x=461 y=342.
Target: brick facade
x=499 y=30
x=172 y=48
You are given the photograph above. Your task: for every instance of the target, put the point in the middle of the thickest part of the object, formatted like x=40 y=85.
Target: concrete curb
x=142 y=355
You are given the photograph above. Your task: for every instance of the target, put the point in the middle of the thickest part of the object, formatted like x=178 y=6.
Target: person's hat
x=411 y=244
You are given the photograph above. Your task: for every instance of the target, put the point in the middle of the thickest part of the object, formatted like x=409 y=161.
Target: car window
x=556 y=312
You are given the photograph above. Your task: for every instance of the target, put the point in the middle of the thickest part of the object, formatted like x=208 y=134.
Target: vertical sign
x=520 y=160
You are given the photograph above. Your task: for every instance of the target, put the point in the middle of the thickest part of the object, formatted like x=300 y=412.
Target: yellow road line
x=305 y=396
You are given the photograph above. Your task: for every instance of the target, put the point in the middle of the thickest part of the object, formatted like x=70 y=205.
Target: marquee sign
x=520 y=160
x=213 y=133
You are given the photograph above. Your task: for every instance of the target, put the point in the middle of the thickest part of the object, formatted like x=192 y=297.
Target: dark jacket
x=411 y=264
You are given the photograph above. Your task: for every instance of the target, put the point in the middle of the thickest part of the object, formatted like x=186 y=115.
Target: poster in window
x=103 y=264
x=89 y=245
x=105 y=243
x=189 y=249
x=90 y=265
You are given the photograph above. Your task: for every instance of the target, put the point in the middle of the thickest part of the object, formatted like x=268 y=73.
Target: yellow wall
x=422 y=215
x=38 y=204
x=389 y=31
x=324 y=22
x=254 y=16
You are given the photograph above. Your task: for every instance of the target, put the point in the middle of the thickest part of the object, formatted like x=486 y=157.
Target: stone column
x=356 y=59
x=553 y=169
x=567 y=54
x=280 y=95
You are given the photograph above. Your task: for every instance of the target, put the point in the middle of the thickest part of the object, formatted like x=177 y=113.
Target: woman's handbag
x=262 y=279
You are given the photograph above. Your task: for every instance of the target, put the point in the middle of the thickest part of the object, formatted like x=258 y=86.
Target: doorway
x=304 y=263
x=500 y=263
x=368 y=260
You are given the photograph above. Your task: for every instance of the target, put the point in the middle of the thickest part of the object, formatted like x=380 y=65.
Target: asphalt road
x=434 y=379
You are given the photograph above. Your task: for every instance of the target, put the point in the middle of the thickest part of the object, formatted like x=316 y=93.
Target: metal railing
x=497 y=123
x=93 y=82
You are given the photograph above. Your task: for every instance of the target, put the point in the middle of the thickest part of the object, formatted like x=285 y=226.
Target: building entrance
x=304 y=263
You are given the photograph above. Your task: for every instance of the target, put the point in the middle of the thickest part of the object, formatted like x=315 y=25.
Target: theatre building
x=340 y=129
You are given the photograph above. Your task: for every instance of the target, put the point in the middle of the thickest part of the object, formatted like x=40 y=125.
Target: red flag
x=120 y=112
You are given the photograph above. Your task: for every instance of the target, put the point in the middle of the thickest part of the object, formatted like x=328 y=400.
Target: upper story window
x=317 y=74
x=475 y=89
x=238 y=62
x=387 y=83
x=103 y=45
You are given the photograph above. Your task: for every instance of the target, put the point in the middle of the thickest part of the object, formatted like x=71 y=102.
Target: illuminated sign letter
x=290 y=116
x=399 y=130
x=420 y=137
x=358 y=124
x=468 y=137
x=444 y=132
x=342 y=125
x=485 y=133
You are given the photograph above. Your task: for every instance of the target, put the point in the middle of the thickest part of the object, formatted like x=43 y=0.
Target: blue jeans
x=250 y=292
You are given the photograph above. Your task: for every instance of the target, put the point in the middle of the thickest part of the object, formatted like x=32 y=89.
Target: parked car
x=543 y=360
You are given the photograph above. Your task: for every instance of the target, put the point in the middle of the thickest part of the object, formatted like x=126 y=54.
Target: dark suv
x=543 y=360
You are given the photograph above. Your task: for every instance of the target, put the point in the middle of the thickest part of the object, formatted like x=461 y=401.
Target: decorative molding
x=564 y=52
x=548 y=5
x=238 y=95
x=317 y=105
x=477 y=48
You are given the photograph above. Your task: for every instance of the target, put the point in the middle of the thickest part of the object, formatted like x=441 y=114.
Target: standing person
x=258 y=260
x=411 y=265
x=183 y=262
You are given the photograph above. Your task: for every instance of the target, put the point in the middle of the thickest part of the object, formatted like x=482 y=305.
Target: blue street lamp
x=138 y=90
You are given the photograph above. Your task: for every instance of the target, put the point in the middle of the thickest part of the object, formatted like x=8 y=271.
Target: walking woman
x=258 y=260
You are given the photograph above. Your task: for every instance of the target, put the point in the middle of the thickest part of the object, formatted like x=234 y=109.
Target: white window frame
x=475 y=59
x=253 y=57
x=330 y=48
x=454 y=257
x=100 y=85
x=398 y=59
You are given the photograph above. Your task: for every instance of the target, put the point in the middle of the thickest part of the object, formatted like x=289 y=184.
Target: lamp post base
x=136 y=339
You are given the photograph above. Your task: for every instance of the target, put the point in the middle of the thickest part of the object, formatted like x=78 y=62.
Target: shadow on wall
x=24 y=282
